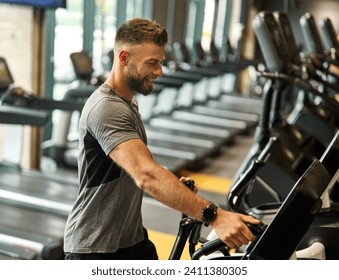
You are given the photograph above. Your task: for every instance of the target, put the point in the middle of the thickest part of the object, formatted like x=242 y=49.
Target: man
x=116 y=167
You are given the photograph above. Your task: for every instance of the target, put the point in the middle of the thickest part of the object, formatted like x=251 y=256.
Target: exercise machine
x=289 y=225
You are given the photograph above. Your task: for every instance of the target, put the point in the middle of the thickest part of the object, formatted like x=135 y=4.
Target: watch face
x=209 y=214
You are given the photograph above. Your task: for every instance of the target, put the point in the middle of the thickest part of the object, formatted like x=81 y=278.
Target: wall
x=16 y=27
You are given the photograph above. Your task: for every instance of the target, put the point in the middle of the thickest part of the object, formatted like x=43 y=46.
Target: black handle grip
x=208 y=248
x=257 y=230
x=217 y=244
x=190 y=184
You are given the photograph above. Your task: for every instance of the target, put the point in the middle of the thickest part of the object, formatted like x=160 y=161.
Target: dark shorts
x=145 y=250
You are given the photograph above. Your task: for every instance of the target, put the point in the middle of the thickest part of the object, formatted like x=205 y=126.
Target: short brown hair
x=137 y=31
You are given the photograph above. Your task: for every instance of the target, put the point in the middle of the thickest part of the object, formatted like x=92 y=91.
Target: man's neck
x=119 y=86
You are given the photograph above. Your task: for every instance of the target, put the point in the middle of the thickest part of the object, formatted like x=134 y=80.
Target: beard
x=138 y=83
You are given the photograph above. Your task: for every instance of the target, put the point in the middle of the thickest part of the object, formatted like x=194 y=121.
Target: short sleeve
x=112 y=122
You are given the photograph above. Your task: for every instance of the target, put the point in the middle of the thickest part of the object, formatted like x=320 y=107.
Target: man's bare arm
x=135 y=158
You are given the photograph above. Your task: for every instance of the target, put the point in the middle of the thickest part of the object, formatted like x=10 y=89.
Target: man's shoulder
x=104 y=97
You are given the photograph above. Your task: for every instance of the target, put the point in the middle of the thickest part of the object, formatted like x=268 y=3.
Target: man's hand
x=231 y=228
x=186 y=179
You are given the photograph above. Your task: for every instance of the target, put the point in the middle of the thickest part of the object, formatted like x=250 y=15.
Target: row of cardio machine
x=192 y=113
x=35 y=204
x=290 y=178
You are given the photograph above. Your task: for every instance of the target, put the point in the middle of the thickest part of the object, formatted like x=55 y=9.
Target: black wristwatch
x=209 y=214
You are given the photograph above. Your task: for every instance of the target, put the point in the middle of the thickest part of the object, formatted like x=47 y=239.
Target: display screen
x=294 y=217
x=38 y=3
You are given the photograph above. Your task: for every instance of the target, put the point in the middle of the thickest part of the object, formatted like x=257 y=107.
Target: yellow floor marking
x=210 y=183
x=164 y=243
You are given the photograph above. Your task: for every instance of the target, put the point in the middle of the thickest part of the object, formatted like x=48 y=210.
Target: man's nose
x=158 y=71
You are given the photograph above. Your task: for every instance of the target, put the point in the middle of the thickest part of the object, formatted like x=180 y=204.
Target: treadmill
x=31 y=185
x=24 y=233
x=165 y=108
x=39 y=233
x=8 y=252
x=177 y=105
x=222 y=100
x=198 y=107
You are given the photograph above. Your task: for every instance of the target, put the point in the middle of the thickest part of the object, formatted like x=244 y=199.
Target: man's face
x=144 y=66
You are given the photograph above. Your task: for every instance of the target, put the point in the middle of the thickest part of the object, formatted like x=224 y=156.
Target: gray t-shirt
x=107 y=213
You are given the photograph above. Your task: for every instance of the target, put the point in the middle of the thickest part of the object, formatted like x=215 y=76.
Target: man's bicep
x=131 y=154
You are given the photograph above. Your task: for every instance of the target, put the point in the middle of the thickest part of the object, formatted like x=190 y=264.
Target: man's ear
x=123 y=56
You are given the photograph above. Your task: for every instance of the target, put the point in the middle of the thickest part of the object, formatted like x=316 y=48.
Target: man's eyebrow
x=155 y=60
